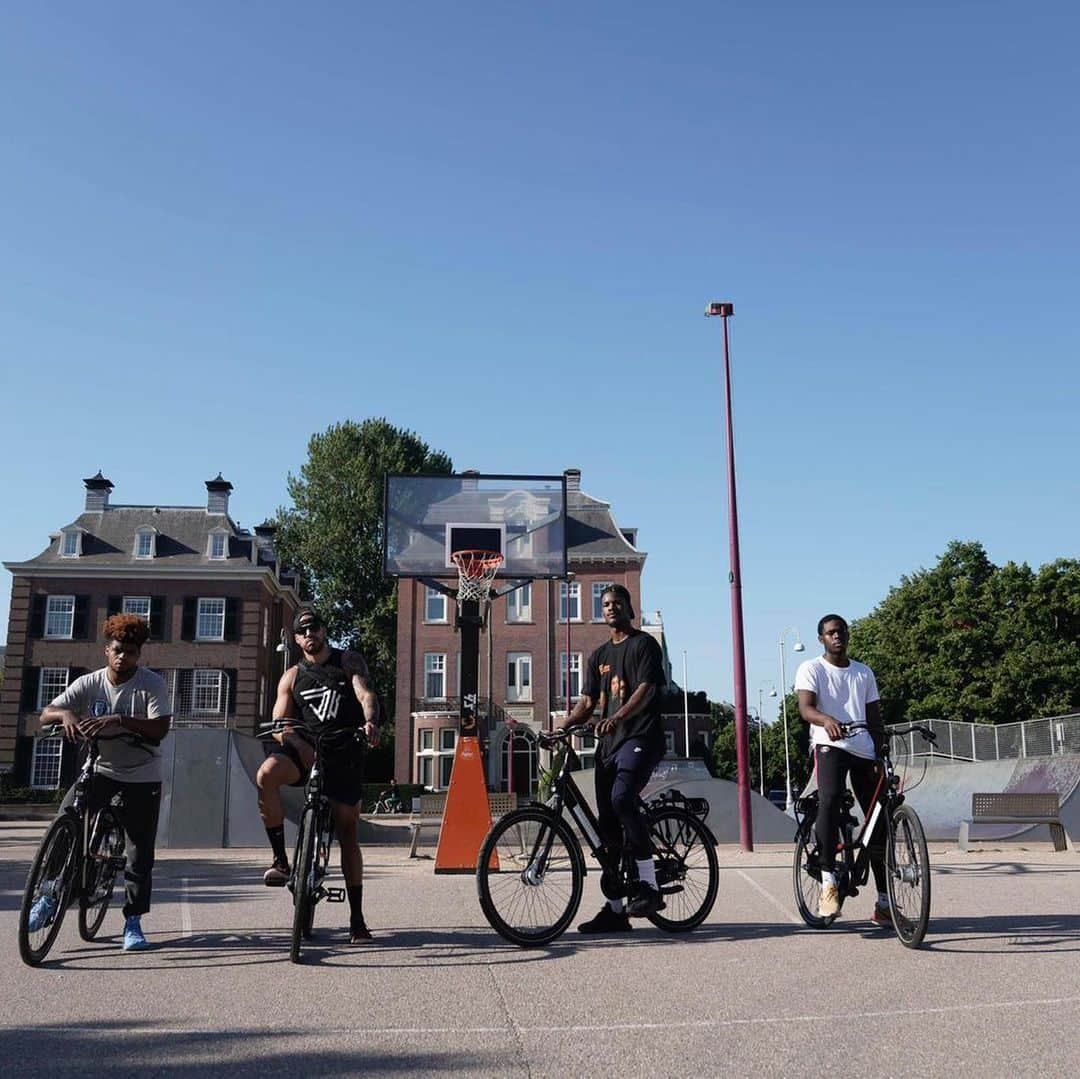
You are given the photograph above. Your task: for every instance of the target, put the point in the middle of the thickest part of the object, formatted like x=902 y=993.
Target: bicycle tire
x=807 y=887
x=687 y=859
x=908 y=871
x=324 y=835
x=302 y=897
x=523 y=906
x=52 y=873
x=106 y=843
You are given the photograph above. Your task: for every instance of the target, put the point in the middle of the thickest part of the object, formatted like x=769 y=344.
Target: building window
x=585 y=747
x=434 y=605
x=144 y=543
x=570 y=598
x=423 y=772
x=210 y=620
x=575 y=675
x=519 y=604
x=206 y=692
x=54 y=680
x=435 y=675
x=138 y=606
x=598 y=599
x=425 y=755
x=219 y=544
x=427 y=739
x=447 y=742
x=60 y=617
x=71 y=547
x=518 y=677
x=45 y=769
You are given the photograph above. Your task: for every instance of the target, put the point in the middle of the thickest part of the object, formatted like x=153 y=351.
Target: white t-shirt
x=843 y=693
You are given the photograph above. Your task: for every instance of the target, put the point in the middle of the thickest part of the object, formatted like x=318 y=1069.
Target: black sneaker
x=276 y=876
x=607 y=921
x=647 y=901
x=360 y=934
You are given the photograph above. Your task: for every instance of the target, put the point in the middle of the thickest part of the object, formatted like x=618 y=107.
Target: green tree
x=333 y=532
x=968 y=640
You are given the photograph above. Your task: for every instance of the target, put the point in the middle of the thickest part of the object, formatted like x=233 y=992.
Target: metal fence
x=1003 y=741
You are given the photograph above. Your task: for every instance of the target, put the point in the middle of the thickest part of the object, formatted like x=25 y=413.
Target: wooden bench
x=432 y=807
x=1015 y=809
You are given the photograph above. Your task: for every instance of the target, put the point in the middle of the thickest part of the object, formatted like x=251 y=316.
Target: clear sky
x=227 y=226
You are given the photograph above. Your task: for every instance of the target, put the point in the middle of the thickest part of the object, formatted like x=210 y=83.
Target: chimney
x=97 y=493
x=217 y=495
x=470 y=480
x=573 y=479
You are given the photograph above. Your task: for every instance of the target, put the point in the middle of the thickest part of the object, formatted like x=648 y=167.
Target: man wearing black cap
x=328 y=690
x=624 y=679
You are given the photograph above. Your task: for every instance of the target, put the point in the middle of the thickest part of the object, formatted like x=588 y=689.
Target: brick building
x=212 y=591
x=523 y=666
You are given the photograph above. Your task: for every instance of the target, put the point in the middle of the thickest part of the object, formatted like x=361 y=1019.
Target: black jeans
x=833 y=768
x=619 y=781
x=136 y=806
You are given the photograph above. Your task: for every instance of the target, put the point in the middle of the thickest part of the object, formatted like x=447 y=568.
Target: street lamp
x=761 y=733
x=798 y=646
x=746 y=825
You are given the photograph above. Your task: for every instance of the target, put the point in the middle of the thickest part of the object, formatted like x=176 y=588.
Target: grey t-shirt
x=144 y=696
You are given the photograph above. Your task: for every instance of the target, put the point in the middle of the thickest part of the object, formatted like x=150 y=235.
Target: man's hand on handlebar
x=92 y=726
x=832 y=729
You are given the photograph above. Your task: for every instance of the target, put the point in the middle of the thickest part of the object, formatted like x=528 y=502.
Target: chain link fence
x=982 y=742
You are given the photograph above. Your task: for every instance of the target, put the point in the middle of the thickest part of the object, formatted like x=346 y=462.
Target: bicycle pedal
x=334 y=895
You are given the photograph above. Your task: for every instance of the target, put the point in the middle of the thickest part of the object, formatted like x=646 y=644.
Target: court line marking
x=770 y=897
x=185 y=909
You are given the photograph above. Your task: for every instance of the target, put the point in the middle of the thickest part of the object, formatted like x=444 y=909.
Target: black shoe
x=360 y=934
x=647 y=901
x=276 y=876
x=607 y=921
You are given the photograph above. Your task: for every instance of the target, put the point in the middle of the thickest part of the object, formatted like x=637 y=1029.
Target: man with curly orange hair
x=127 y=708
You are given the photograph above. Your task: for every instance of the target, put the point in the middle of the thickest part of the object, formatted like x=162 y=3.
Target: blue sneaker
x=134 y=941
x=41 y=913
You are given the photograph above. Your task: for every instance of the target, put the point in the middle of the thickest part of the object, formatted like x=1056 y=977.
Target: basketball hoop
x=477 y=571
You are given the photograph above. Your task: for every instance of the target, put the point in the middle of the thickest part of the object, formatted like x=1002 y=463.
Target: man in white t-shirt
x=834 y=692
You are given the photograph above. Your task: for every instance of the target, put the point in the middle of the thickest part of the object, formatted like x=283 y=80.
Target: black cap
x=306 y=616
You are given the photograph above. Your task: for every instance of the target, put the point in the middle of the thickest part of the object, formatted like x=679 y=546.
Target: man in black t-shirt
x=328 y=690
x=624 y=680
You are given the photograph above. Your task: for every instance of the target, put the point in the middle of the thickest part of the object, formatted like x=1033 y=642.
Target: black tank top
x=324 y=694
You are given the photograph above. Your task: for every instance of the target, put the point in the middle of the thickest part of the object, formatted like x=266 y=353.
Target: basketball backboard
x=428 y=518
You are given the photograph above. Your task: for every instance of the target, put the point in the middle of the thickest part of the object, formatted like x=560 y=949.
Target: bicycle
x=907 y=861
x=531 y=868
x=389 y=802
x=79 y=857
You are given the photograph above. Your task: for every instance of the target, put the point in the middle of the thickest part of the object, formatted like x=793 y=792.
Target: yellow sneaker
x=829 y=902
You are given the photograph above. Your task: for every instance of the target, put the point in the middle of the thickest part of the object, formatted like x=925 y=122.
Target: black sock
x=277 y=843
x=356 y=905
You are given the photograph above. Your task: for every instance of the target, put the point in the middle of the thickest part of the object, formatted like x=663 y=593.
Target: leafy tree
x=968 y=640
x=333 y=533
x=724 y=758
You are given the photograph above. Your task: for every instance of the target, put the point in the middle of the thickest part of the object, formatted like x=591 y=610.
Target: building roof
x=592 y=533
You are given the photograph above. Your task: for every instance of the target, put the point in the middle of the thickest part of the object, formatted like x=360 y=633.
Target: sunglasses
x=308 y=627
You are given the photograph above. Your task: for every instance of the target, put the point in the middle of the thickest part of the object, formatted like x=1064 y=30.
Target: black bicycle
x=389 y=801
x=531 y=869
x=79 y=858
x=907 y=861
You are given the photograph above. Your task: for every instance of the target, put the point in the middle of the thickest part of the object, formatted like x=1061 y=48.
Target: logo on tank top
x=324 y=702
x=99 y=708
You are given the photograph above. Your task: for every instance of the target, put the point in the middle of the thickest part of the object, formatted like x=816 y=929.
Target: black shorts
x=343 y=766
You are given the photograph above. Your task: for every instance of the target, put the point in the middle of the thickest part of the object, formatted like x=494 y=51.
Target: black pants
x=619 y=781
x=136 y=806
x=833 y=768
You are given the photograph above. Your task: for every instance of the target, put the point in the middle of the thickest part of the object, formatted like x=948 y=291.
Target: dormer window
x=71 y=543
x=145 y=543
x=219 y=545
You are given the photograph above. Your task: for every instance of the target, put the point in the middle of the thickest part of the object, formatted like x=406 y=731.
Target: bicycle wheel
x=48 y=888
x=105 y=858
x=908 y=869
x=806 y=878
x=529 y=876
x=304 y=884
x=687 y=871
x=320 y=865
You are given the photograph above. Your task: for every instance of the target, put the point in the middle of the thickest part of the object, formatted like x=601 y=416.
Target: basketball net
x=476 y=574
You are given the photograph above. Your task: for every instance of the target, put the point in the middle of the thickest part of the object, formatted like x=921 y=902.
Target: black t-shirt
x=615 y=671
x=324 y=693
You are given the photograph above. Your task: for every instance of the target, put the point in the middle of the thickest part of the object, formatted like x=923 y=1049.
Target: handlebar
x=562 y=735
x=927 y=734
x=56 y=730
x=318 y=736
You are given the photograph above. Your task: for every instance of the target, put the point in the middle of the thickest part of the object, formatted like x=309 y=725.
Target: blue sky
x=229 y=226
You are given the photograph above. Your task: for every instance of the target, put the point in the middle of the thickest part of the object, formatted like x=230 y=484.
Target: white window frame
x=201 y=613
x=45 y=699
x=575 y=674
x=53 y=609
x=433 y=595
x=212 y=682
x=217 y=534
x=447 y=748
x=65 y=536
x=136 y=605
x=598 y=589
x=425 y=755
x=519 y=604
x=569 y=598
x=48 y=754
x=435 y=666
x=519 y=680
x=585 y=747
x=140 y=534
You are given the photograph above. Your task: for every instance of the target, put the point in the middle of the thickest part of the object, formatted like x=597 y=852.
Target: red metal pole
x=742 y=757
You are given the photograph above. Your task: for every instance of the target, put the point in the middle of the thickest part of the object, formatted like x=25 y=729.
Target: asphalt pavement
x=995 y=990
